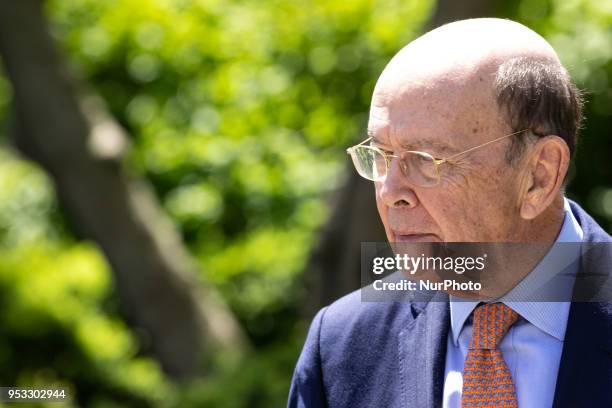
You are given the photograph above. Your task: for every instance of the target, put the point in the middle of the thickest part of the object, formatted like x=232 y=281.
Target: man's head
x=460 y=86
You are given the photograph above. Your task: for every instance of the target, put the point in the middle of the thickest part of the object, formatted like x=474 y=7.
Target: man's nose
x=396 y=190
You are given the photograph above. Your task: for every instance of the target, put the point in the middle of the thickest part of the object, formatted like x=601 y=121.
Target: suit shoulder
x=351 y=316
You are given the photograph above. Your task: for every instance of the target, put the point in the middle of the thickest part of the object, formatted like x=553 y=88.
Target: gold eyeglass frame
x=437 y=162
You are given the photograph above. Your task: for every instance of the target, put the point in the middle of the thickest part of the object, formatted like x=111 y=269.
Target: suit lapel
x=585 y=369
x=422 y=354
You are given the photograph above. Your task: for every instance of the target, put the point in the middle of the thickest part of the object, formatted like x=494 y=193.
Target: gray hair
x=537 y=94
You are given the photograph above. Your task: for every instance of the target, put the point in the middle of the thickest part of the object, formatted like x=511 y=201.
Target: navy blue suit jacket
x=392 y=354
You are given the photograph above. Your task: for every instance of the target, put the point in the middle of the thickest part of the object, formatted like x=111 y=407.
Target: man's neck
x=516 y=260
x=546 y=227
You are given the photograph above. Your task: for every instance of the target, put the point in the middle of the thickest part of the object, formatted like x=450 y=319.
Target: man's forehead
x=417 y=122
x=436 y=122
x=410 y=139
x=433 y=112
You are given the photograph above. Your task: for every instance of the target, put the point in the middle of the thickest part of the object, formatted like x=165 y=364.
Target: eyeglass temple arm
x=440 y=161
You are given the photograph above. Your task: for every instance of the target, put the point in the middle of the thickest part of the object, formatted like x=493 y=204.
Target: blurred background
x=175 y=199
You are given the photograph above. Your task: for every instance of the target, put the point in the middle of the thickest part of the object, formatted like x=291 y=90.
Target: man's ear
x=546 y=169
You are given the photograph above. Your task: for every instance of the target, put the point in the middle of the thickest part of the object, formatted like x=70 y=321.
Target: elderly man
x=471 y=131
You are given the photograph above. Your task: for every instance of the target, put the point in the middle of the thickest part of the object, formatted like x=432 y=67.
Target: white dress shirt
x=533 y=345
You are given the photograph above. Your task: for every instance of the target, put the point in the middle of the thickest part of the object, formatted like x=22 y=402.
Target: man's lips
x=414 y=237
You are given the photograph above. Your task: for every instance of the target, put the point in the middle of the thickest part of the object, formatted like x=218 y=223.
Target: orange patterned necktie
x=487 y=381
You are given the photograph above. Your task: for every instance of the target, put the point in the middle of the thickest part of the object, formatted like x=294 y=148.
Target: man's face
x=477 y=197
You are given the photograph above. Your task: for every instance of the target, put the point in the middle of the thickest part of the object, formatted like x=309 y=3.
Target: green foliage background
x=239 y=113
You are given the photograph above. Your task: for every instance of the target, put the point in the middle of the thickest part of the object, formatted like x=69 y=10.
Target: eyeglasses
x=420 y=168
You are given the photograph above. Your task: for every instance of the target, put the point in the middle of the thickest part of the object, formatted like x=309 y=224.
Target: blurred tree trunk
x=81 y=147
x=335 y=263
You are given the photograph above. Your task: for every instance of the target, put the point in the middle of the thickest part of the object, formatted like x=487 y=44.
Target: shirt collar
x=550 y=317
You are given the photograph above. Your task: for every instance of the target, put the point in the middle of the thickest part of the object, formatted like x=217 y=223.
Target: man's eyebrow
x=426 y=144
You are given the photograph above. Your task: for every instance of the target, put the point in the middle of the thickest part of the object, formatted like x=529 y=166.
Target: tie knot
x=490 y=324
